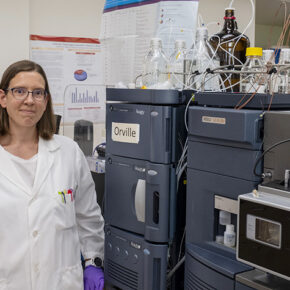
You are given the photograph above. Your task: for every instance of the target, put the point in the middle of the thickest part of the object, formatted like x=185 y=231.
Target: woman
x=48 y=210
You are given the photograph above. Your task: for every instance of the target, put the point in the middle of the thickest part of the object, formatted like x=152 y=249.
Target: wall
x=66 y=17
x=267 y=36
x=14 y=32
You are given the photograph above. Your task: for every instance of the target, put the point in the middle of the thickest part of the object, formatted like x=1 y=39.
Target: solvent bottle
x=177 y=65
x=254 y=72
x=284 y=84
x=231 y=46
x=155 y=66
x=203 y=58
x=273 y=80
x=230 y=236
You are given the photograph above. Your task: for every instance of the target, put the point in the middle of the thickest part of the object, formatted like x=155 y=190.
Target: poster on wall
x=128 y=26
x=74 y=70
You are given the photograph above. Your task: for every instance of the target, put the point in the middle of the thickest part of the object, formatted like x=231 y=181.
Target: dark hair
x=46 y=125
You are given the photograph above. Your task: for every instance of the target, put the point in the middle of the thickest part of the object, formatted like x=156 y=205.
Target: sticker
x=214 y=120
x=126 y=132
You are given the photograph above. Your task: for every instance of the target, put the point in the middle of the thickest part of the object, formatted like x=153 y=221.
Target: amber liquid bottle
x=230 y=42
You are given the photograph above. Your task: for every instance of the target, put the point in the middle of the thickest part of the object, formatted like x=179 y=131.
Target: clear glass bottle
x=176 y=65
x=284 y=70
x=231 y=46
x=269 y=62
x=155 y=65
x=253 y=76
x=189 y=67
x=203 y=58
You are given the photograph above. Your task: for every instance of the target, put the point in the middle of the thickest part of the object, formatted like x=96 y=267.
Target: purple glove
x=93 y=278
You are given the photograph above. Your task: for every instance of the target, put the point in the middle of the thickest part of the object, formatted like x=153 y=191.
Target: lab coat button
x=34 y=234
x=36 y=268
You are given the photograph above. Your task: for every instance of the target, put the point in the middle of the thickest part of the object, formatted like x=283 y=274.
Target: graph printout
x=74 y=70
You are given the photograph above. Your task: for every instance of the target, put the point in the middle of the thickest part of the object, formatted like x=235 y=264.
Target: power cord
x=267 y=174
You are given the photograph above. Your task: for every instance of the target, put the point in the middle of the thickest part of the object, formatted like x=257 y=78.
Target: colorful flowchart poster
x=128 y=26
x=74 y=70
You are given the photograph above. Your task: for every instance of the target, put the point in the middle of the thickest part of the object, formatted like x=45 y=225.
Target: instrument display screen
x=268 y=232
x=263 y=230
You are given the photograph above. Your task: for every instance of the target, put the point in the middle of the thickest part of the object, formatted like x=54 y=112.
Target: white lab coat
x=44 y=230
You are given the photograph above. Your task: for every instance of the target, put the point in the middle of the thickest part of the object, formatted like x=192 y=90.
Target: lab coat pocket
x=64 y=209
x=3 y=284
x=69 y=247
x=71 y=278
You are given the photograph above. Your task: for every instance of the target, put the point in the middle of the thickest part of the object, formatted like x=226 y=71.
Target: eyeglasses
x=22 y=93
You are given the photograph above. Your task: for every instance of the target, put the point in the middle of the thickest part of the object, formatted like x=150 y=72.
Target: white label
x=214 y=120
x=126 y=132
x=251 y=229
x=226 y=204
x=135 y=245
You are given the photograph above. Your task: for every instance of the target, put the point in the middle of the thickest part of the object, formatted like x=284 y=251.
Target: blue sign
x=115 y=3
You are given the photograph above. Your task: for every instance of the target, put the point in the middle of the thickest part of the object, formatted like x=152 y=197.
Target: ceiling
x=271 y=12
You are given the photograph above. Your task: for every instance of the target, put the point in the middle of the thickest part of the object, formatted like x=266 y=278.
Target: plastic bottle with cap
x=253 y=76
x=230 y=236
x=176 y=64
x=155 y=66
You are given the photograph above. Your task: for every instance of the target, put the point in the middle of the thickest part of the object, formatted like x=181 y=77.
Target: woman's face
x=28 y=111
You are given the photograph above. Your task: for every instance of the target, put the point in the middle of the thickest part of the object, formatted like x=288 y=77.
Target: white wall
x=14 y=32
x=267 y=36
x=73 y=18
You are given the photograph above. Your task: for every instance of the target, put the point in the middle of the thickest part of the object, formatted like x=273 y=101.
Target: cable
x=185 y=113
x=199 y=81
x=181 y=243
x=231 y=4
x=226 y=51
x=263 y=175
x=219 y=46
x=171 y=273
x=180 y=173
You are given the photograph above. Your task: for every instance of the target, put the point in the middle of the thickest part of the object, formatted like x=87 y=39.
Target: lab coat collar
x=44 y=163
x=48 y=145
